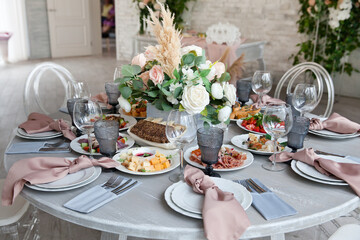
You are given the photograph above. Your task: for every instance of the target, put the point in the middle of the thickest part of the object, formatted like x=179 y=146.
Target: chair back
x=322 y=78
x=39 y=82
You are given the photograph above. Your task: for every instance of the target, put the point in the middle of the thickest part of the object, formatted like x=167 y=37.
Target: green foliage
x=177 y=7
x=332 y=45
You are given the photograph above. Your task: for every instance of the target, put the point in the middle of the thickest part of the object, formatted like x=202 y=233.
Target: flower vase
x=152 y=111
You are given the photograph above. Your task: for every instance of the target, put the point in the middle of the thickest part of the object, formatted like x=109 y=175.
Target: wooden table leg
x=112 y=236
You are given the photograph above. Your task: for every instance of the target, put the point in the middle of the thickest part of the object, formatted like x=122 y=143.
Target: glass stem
x=275 y=152
x=90 y=143
x=260 y=100
x=181 y=153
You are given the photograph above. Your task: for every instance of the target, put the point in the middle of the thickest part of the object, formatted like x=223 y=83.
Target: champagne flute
x=261 y=84
x=181 y=130
x=86 y=113
x=305 y=98
x=277 y=122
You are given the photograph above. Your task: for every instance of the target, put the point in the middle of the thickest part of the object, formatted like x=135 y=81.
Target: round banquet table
x=143 y=212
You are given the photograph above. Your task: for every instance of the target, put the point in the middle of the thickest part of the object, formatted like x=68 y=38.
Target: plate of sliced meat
x=230 y=158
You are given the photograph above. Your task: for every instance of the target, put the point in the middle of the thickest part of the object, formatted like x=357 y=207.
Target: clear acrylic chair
x=16 y=217
x=41 y=81
x=347 y=232
x=322 y=77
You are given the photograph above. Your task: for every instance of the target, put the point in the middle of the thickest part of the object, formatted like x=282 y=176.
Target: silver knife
x=54 y=149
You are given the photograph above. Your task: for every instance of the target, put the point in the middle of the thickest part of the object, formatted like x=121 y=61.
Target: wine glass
x=210 y=140
x=113 y=93
x=117 y=73
x=261 y=84
x=277 y=122
x=86 y=113
x=181 y=130
x=79 y=90
x=243 y=88
x=305 y=98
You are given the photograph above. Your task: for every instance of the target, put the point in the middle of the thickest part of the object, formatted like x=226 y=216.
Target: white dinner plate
x=173 y=206
x=184 y=196
x=37 y=136
x=88 y=181
x=245 y=201
x=240 y=140
x=239 y=121
x=71 y=179
x=150 y=143
x=174 y=163
x=131 y=121
x=247 y=162
x=76 y=146
x=311 y=171
x=296 y=170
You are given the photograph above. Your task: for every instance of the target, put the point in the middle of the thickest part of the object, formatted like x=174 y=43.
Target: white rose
x=195 y=99
x=230 y=93
x=217 y=91
x=224 y=113
x=207 y=65
x=124 y=104
x=194 y=49
x=141 y=5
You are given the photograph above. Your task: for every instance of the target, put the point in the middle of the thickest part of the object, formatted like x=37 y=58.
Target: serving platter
x=249 y=159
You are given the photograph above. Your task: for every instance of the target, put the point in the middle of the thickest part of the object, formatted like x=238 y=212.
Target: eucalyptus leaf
x=207 y=84
x=127 y=71
x=125 y=92
x=165 y=106
x=205 y=72
x=137 y=84
x=188 y=59
x=177 y=92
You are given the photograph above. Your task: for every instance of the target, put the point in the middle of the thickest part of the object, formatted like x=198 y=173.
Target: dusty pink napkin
x=39 y=170
x=223 y=216
x=102 y=98
x=38 y=123
x=335 y=123
x=266 y=99
x=349 y=172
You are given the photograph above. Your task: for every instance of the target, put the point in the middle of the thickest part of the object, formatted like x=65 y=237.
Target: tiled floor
x=96 y=70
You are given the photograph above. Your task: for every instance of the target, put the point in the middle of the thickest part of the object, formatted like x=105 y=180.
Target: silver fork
x=125 y=188
x=116 y=183
x=55 y=144
x=110 y=181
x=246 y=185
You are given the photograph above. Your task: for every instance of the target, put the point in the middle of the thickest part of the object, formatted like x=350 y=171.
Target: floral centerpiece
x=171 y=77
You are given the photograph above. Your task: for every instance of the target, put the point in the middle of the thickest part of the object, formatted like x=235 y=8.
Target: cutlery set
x=251 y=185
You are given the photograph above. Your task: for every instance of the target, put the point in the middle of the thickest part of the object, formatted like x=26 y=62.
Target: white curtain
x=13 y=19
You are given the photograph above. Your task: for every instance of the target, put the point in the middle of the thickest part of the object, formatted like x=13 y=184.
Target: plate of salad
x=81 y=144
x=124 y=121
x=252 y=123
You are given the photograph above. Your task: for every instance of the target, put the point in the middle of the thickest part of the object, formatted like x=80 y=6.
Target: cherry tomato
x=256 y=129
x=250 y=126
x=86 y=148
x=98 y=150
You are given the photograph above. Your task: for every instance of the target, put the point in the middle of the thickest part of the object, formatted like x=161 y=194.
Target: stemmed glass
x=261 y=84
x=277 y=122
x=298 y=132
x=210 y=140
x=113 y=93
x=117 y=73
x=79 y=90
x=181 y=130
x=86 y=113
x=243 y=88
x=305 y=98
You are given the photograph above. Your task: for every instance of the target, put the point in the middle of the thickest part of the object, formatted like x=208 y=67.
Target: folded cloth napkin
x=223 y=216
x=38 y=122
x=43 y=170
x=335 y=123
x=33 y=147
x=95 y=197
x=266 y=99
x=269 y=204
x=103 y=98
x=349 y=172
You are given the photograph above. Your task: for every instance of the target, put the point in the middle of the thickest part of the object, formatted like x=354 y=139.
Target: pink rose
x=139 y=60
x=156 y=74
x=312 y=3
x=149 y=55
x=219 y=69
x=145 y=76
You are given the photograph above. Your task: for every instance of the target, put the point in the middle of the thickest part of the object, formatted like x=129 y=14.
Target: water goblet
x=85 y=114
x=277 y=122
x=70 y=106
x=180 y=130
x=297 y=133
x=210 y=140
x=243 y=88
x=305 y=98
x=261 y=84
x=107 y=133
x=113 y=93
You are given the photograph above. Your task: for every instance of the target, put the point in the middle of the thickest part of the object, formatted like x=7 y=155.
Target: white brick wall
x=270 y=20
